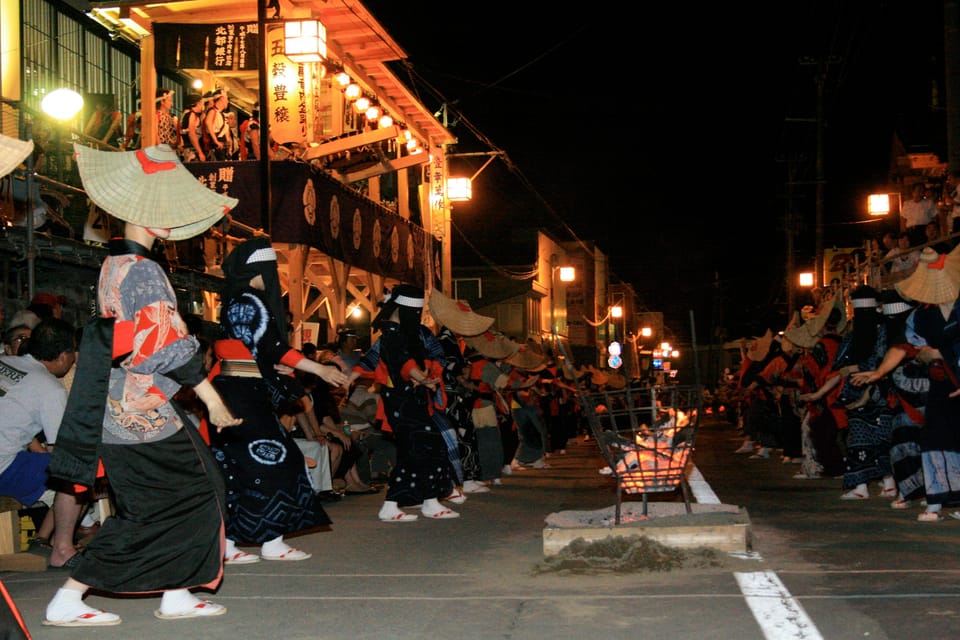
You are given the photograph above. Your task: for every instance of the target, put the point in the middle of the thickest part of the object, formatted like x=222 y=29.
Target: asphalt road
x=820 y=568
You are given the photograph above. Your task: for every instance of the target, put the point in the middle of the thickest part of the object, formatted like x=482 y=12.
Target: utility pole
x=790 y=229
x=823 y=67
x=791 y=220
x=951 y=56
x=818 y=233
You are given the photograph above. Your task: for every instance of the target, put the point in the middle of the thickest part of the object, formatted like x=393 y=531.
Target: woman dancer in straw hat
x=930 y=327
x=869 y=420
x=268 y=486
x=411 y=383
x=167 y=534
x=909 y=384
x=455 y=319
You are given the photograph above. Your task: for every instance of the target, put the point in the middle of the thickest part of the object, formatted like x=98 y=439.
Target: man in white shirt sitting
x=32 y=401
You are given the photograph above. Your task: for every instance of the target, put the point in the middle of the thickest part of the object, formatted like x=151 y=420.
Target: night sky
x=667 y=135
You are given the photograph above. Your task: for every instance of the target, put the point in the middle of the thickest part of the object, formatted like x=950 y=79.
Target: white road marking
x=702 y=492
x=779 y=614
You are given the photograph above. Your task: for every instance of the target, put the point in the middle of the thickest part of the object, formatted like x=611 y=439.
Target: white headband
x=859 y=303
x=267 y=254
x=407 y=301
x=893 y=308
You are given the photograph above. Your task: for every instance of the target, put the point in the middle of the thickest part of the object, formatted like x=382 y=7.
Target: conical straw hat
x=760 y=347
x=932 y=282
x=827 y=305
x=13 y=152
x=457 y=315
x=802 y=336
x=616 y=381
x=492 y=345
x=151 y=188
x=527 y=359
x=599 y=378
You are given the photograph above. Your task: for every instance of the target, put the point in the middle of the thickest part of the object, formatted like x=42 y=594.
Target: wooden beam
x=388 y=166
x=351 y=142
x=148 y=92
x=296 y=261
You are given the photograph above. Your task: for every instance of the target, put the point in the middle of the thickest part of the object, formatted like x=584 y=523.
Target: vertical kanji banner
x=226 y=46
x=287 y=102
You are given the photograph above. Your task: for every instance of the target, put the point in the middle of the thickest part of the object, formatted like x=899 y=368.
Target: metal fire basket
x=646 y=437
x=646 y=434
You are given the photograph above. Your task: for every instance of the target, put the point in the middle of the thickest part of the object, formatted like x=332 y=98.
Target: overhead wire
x=504 y=157
x=529 y=274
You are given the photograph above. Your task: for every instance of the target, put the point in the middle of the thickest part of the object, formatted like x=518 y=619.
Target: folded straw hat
x=534 y=345
x=616 y=381
x=760 y=347
x=527 y=359
x=151 y=188
x=495 y=346
x=13 y=152
x=599 y=378
x=832 y=304
x=932 y=282
x=802 y=336
x=457 y=315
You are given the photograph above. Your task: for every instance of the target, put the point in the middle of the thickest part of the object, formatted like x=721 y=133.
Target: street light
x=457 y=189
x=567 y=274
x=616 y=313
x=878 y=204
x=63 y=105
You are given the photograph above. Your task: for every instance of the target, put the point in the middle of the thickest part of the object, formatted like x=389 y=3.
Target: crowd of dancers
x=864 y=387
x=190 y=436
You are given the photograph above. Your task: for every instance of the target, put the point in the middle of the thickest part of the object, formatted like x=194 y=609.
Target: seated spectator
x=300 y=420
x=889 y=248
x=906 y=258
x=15 y=339
x=342 y=443
x=32 y=404
x=348 y=349
x=26 y=317
x=47 y=305
x=380 y=451
x=934 y=239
